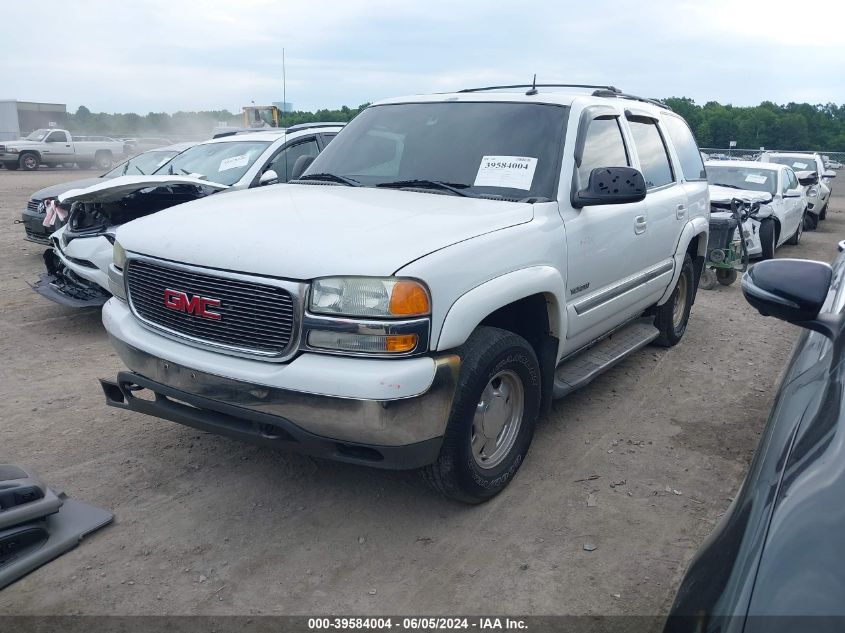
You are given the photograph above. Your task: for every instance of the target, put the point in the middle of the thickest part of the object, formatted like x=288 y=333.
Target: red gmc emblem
x=196 y=305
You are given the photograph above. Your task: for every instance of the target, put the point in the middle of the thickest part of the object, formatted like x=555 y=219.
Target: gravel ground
x=208 y=525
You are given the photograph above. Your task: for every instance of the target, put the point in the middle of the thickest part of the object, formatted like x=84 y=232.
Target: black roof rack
x=624 y=95
x=585 y=86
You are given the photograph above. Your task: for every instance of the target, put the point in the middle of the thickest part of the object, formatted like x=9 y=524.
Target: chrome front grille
x=244 y=316
x=32 y=205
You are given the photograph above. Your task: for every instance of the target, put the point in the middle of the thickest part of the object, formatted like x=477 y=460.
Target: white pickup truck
x=50 y=146
x=443 y=270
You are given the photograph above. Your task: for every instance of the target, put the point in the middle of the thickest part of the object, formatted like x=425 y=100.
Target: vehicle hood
x=22 y=143
x=724 y=195
x=54 y=191
x=308 y=231
x=113 y=189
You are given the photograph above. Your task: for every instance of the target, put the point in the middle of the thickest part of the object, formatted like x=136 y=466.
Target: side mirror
x=793 y=193
x=808 y=178
x=792 y=290
x=829 y=174
x=302 y=163
x=269 y=177
x=611 y=185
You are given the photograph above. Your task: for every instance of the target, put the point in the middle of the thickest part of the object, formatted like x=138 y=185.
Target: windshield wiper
x=349 y=182
x=456 y=188
x=721 y=184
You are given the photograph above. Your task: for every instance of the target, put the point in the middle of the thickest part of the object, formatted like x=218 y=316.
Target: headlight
x=813 y=192
x=12 y=150
x=368 y=297
x=119 y=256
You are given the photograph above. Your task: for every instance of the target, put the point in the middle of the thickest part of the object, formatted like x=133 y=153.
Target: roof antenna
x=533 y=90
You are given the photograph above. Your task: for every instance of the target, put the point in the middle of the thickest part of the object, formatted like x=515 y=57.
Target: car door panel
x=606 y=245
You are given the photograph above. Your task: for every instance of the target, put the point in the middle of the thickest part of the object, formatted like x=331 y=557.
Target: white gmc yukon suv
x=443 y=270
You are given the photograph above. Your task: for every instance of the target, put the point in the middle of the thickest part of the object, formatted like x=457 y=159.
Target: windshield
x=748 y=178
x=224 y=163
x=37 y=135
x=506 y=150
x=142 y=164
x=797 y=163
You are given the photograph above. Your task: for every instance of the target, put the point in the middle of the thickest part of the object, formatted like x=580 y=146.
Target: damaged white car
x=783 y=203
x=78 y=263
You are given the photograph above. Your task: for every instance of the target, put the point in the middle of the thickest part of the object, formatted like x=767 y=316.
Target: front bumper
x=35 y=230
x=295 y=405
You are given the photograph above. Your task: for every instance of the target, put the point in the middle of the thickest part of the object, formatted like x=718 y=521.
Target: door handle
x=681 y=212
x=640 y=224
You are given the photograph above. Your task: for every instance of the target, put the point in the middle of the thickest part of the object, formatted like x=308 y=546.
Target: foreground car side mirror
x=269 y=177
x=811 y=178
x=793 y=290
x=611 y=185
x=302 y=163
x=829 y=174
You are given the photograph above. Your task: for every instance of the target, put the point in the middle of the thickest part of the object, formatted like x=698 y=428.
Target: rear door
x=687 y=156
x=666 y=200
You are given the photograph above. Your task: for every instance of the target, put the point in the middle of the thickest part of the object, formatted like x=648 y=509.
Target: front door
x=607 y=252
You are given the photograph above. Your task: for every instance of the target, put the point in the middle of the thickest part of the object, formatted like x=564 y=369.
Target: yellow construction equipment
x=261 y=116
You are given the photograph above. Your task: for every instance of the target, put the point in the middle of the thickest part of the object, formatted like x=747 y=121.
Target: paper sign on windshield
x=512 y=172
x=233 y=162
x=799 y=165
x=756 y=179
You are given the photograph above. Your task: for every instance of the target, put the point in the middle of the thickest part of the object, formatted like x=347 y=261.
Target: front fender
x=696 y=226
x=467 y=312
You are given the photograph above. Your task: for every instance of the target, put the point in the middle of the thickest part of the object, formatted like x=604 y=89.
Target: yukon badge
x=195 y=305
x=577 y=289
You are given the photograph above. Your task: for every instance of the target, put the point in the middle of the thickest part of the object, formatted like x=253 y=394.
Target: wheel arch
x=693 y=241
x=528 y=302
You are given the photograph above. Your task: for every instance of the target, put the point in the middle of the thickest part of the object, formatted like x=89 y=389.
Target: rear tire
x=799 y=231
x=492 y=421
x=103 y=160
x=767 y=239
x=29 y=161
x=84 y=164
x=708 y=279
x=726 y=276
x=672 y=317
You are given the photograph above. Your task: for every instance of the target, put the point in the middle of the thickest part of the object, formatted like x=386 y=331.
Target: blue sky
x=168 y=55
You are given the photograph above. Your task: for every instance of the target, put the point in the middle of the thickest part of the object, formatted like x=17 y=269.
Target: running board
x=575 y=373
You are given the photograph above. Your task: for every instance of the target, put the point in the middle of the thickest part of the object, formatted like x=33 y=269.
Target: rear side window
x=654 y=160
x=685 y=146
x=603 y=147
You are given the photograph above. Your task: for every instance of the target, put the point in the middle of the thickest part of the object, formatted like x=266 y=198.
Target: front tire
x=493 y=415
x=10 y=166
x=672 y=317
x=810 y=222
x=29 y=161
x=767 y=239
x=823 y=212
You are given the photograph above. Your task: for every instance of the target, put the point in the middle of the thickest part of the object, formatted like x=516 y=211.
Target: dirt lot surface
x=208 y=525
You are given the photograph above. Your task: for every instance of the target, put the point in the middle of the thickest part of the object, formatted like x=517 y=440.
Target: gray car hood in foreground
x=308 y=231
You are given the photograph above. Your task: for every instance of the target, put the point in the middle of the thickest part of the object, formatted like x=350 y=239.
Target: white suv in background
x=818 y=194
x=77 y=266
x=443 y=270
x=784 y=204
